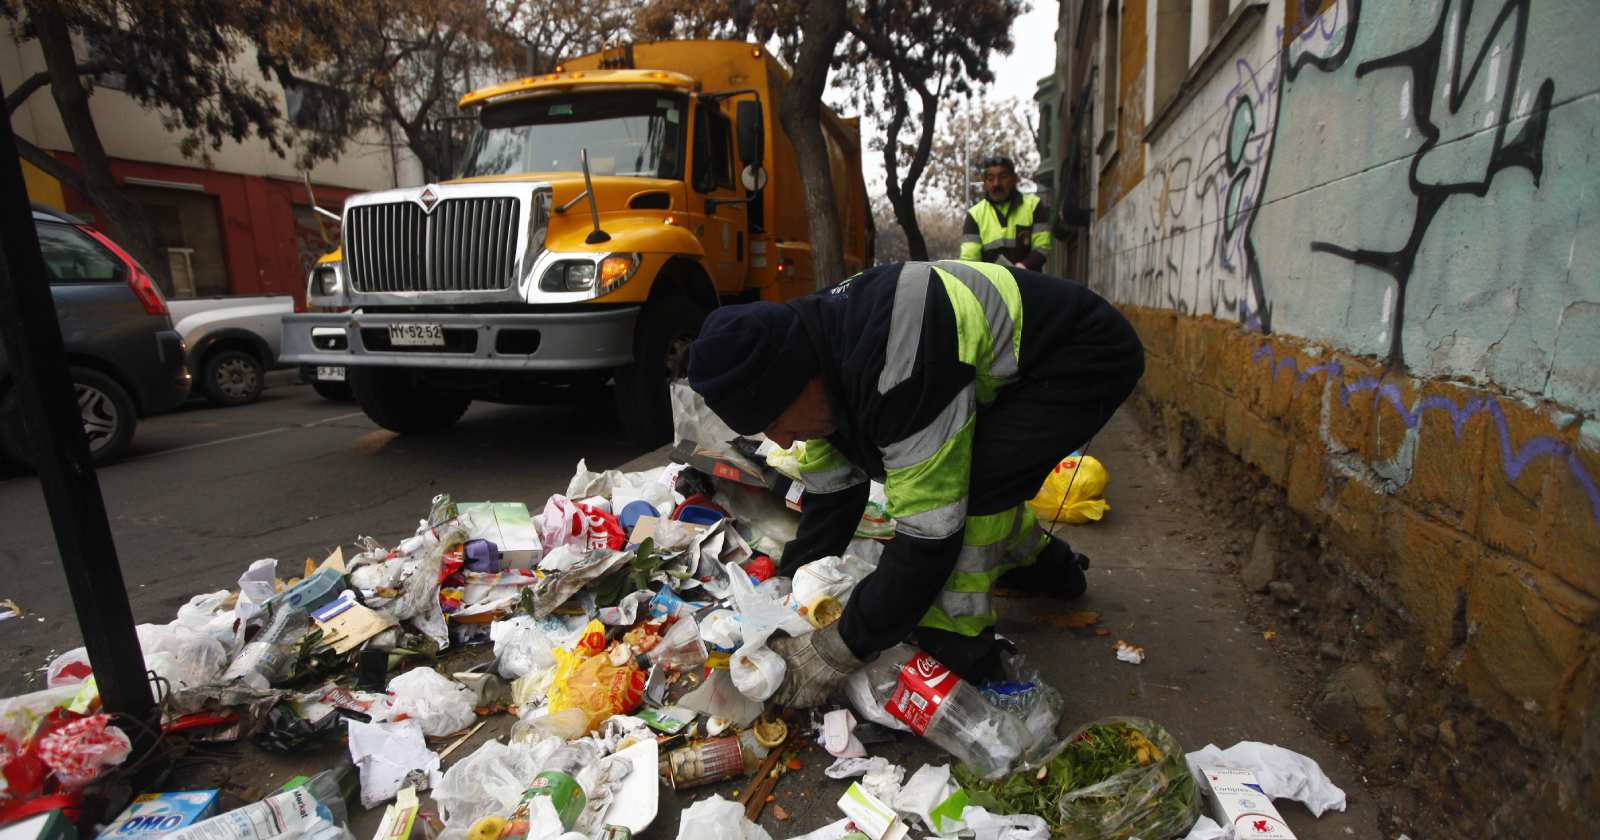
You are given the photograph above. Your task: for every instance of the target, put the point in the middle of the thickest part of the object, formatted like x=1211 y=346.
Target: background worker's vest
x=1011 y=238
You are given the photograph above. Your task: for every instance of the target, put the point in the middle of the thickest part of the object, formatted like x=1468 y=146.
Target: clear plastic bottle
x=870 y=688
x=317 y=809
x=266 y=659
x=940 y=706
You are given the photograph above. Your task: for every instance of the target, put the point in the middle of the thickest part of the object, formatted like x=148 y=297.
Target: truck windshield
x=630 y=133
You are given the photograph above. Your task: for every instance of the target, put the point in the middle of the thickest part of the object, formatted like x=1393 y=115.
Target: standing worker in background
x=1007 y=227
x=959 y=386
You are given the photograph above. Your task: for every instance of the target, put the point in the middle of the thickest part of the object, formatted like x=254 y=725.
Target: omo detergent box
x=158 y=814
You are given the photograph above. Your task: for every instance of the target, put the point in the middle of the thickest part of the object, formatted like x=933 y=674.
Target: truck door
x=723 y=228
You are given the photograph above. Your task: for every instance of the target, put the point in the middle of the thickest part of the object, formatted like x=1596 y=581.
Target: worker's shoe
x=1057 y=573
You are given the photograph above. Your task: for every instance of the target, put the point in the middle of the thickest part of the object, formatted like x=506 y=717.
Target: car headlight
x=568 y=276
x=325 y=281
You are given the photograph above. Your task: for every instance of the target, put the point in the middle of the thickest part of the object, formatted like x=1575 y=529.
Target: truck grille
x=464 y=245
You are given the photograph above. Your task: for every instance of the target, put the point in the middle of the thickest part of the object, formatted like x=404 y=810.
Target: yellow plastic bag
x=1085 y=500
x=596 y=687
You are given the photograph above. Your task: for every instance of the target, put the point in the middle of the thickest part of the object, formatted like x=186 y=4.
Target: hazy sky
x=1016 y=75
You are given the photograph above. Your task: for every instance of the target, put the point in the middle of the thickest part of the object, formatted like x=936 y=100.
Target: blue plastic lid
x=699 y=515
x=629 y=516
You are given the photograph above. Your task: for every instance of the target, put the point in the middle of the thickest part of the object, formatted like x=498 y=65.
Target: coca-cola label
x=924 y=683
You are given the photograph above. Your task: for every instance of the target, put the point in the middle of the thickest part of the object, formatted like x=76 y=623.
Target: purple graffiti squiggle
x=1513 y=463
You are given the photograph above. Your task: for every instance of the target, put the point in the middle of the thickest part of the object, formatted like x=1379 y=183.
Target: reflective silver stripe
x=971 y=237
x=834 y=480
x=935 y=524
x=905 y=325
x=922 y=445
x=977 y=559
x=960 y=604
x=1004 y=362
x=1001 y=242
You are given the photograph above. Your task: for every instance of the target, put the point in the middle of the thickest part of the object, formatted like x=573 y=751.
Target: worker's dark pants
x=1018 y=440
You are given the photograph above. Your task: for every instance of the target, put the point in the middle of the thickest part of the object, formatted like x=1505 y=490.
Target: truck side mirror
x=751 y=131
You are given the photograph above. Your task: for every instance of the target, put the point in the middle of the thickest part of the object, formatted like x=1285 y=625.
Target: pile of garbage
x=629 y=622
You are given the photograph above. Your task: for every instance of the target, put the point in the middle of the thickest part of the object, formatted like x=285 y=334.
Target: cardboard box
x=1237 y=800
x=160 y=814
x=508 y=525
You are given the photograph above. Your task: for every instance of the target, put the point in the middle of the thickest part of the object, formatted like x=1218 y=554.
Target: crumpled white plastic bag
x=878 y=776
x=388 y=753
x=182 y=656
x=834 y=577
x=987 y=826
x=1207 y=828
x=718 y=819
x=520 y=647
x=923 y=792
x=757 y=669
x=490 y=781
x=204 y=614
x=1283 y=773
x=438 y=704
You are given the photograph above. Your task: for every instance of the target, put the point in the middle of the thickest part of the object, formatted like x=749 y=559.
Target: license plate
x=330 y=373
x=416 y=335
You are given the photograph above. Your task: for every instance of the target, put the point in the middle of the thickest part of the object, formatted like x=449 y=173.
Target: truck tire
x=398 y=400
x=109 y=418
x=232 y=377
x=660 y=353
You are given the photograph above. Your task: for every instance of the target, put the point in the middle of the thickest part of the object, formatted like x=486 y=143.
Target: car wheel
x=109 y=419
x=336 y=391
x=402 y=401
x=231 y=377
x=661 y=354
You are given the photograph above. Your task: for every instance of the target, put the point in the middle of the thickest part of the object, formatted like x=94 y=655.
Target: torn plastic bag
x=829 y=577
x=757 y=670
x=556 y=588
x=626 y=612
x=390 y=757
x=718 y=819
x=205 y=614
x=1159 y=799
x=416 y=575
x=694 y=421
x=287 y=731
x=520 y=647
x=599 y=688
x=437 y=703
x=653 y=486
x=79 y=751
x=717 y=697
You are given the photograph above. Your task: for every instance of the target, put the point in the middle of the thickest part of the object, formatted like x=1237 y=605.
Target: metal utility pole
x=43 y=385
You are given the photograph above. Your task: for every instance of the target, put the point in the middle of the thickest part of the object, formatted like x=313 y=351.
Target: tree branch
x=51 y=165
x=20 y=94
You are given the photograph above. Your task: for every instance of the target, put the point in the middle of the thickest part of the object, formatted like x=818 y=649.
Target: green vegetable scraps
x=1156 y=797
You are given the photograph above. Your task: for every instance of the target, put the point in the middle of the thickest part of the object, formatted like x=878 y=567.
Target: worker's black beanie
x=750 y=362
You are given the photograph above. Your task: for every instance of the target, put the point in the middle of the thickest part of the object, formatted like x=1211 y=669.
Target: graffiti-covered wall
x=1363 y=248
x=1416 y=180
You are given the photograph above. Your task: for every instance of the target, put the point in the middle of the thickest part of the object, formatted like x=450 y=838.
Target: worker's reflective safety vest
x=1013 y=237
x=926 y=474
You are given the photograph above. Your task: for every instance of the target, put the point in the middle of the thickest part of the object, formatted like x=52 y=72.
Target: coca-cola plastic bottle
x=940 y=706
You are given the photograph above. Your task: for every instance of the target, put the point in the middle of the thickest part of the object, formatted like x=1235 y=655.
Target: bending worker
x=1006 y=225
x=959 y=386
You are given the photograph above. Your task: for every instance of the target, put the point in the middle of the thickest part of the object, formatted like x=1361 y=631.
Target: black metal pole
x=32 y=340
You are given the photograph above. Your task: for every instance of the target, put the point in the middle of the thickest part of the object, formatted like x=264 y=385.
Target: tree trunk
x=126 y=218
x=800 y=111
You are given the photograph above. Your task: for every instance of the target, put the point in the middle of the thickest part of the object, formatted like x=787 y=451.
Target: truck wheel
x=232 y=377
x=398 y=400
x=660 y=354
x=109 y=418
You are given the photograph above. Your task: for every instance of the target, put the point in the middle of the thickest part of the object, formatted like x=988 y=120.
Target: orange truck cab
x=600 y=213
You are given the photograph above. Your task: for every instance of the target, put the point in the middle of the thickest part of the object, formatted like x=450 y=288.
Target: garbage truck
x=598 y=214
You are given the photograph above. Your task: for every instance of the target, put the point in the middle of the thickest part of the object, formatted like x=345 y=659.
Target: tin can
x=706 y=762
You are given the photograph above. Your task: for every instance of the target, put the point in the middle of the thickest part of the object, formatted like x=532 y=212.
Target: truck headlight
x=568 y=276
x=325 y=282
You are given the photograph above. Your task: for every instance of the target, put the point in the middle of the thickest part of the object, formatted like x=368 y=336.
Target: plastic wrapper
x=204 y=613
x=834 y=577
x=597 y=687
x=1159 y=799
x=78 y=752
x=255 y=590
x=490 y=781
x=520 y=647
x=681 y=646
x=717 y=697
x=180 y=654
x=756 y=669
x=438 y=704
x=566 y=724
x=1073 y=492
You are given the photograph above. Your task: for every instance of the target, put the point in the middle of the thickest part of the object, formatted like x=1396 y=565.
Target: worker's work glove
x=818 y=664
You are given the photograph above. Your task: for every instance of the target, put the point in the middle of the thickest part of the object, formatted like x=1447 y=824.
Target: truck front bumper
x=534 y=341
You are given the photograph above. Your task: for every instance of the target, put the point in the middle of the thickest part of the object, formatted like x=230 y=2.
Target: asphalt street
x=205 y=491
